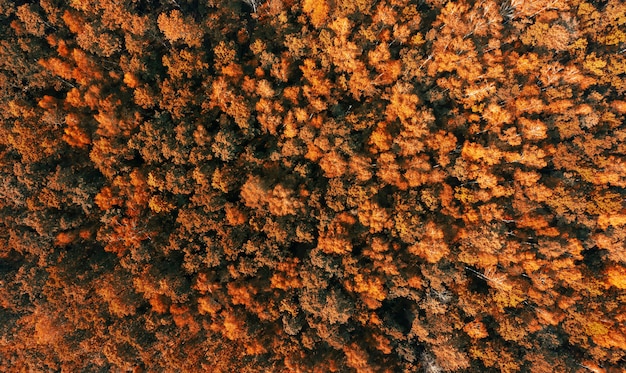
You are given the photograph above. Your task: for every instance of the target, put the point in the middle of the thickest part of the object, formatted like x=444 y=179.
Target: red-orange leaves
x=74 y=22
x=334 y=245
x=371 y=288
x=287 y=277
x=65 y=238
x=476 y=330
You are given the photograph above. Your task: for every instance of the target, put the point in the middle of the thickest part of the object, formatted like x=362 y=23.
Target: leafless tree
x=254 y=4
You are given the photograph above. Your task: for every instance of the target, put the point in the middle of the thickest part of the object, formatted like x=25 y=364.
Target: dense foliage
x=312 y=185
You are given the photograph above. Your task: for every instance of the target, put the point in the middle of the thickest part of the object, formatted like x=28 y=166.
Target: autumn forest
x=313 y=186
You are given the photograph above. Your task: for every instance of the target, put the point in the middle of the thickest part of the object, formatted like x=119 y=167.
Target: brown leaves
x=335 y=238
x=223 y=96
x=278 y=200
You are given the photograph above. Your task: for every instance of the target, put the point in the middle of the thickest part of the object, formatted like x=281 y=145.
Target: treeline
x=314 y=186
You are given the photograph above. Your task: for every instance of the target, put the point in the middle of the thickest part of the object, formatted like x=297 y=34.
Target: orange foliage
x=317 y=10
x=616 y=276
x=312 y=185
x=175 y=27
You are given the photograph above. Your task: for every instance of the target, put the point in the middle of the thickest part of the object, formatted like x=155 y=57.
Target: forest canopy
x=313 y=186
